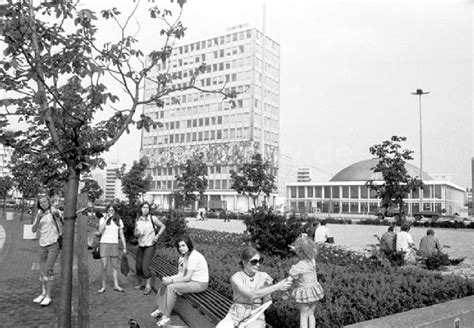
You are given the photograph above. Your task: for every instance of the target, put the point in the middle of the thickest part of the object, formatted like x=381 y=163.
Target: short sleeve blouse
x=110 y=235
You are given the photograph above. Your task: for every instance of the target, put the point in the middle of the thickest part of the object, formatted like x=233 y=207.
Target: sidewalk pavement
x=19 y=285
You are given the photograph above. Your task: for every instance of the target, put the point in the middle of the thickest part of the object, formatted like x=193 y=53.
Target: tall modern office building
x=5 y=156
x=199 y=124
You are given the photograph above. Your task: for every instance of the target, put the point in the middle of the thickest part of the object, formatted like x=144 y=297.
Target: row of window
x=175 y=170
x=353 y=192
x=180 y=138
x=355 y=207
x=172 y=185
x=216 y=41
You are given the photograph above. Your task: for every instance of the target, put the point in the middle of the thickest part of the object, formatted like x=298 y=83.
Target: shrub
x=175 y=227
x=271 y=233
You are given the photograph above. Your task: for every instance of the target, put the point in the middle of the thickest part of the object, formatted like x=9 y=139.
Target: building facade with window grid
x=347 y=193
x=5 y=158
x=198 y=124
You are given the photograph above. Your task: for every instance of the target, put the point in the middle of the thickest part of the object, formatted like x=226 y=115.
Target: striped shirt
x=429 y=246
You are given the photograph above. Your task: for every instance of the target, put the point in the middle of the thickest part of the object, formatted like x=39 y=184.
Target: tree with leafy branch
x=135 y=182
x=6 y=184
x=397 y=183
x=192 y=182
x=92 y=189
x=54 y=73
x=34 y=173
x=254 y=179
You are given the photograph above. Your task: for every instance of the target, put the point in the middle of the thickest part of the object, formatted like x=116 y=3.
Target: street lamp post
x=419 y=93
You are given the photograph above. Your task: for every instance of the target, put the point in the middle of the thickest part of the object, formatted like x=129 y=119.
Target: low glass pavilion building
x=347 y=193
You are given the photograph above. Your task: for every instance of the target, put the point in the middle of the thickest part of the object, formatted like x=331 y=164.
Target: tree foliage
x=254 y=179
x=397 y=183
x=135 y=182
x=192 y=182
x=6 y=184
x=35 y=173
x=92 y=189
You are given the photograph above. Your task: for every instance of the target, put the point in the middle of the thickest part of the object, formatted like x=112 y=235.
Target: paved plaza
x=19 y=285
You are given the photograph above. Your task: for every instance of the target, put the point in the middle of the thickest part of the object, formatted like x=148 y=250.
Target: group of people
x=402 y=241
x=48 y=224
x=251 y=287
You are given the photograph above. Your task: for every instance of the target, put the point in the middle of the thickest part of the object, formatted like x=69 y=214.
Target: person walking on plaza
x=192 y=277
x=250 y=289
x=111 y=230
x=48 y=223
x=404 y=243
x=388 y=240
x=307 y=290
x=146 y=230
x=321 y=234
x=429 y=244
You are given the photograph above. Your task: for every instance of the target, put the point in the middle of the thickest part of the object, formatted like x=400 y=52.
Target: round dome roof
x=362 y=171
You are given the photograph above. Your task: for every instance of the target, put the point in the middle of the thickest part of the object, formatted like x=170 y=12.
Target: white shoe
x=163 y=322
x=46 y=301
x=39 y=299
x=156 y=313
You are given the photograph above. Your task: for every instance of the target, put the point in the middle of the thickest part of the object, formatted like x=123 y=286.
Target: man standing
x=429 y=244
x=387 y=242
x=321 y=233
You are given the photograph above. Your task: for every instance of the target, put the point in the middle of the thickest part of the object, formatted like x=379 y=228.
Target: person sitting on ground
x=251 y=288
x=193 y=277
x=387 y=241
x=321 y=233
x=429 y=244
x=404 y=243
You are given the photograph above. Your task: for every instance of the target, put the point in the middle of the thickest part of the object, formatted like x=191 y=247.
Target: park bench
x=211 y=306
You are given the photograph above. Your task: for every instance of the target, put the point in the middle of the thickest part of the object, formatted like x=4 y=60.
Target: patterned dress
x=308 y=289
x=243 y=306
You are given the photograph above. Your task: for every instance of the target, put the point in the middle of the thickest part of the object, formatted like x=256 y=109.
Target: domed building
x=347 y=193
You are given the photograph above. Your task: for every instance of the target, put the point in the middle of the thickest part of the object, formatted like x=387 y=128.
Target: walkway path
x=19 y=285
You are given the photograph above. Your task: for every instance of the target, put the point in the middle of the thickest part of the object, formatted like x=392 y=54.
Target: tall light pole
x=419 y=93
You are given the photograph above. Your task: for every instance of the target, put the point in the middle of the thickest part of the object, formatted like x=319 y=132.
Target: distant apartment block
x=5 y=157
x=113 y=185
x=198 y=124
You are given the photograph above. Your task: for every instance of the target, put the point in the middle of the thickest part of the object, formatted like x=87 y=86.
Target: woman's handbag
x=96 y=252
x=124 y=267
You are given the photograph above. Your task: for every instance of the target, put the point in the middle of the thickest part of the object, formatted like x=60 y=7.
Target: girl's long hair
x=38 y=206
x=115 y=217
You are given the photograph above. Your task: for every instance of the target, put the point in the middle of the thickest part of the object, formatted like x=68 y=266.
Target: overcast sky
x=347 y=72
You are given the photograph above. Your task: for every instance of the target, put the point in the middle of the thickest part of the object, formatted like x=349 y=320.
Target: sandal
x=156 y=313
x=163 y=322
x=46 y=301
x=147 y=291
x=39 y=299
x=101 y=291
x=118 y=289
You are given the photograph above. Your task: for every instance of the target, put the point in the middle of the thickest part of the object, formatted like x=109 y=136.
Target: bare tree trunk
x=83 y=265
x=72 y=187
x=22 y=208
